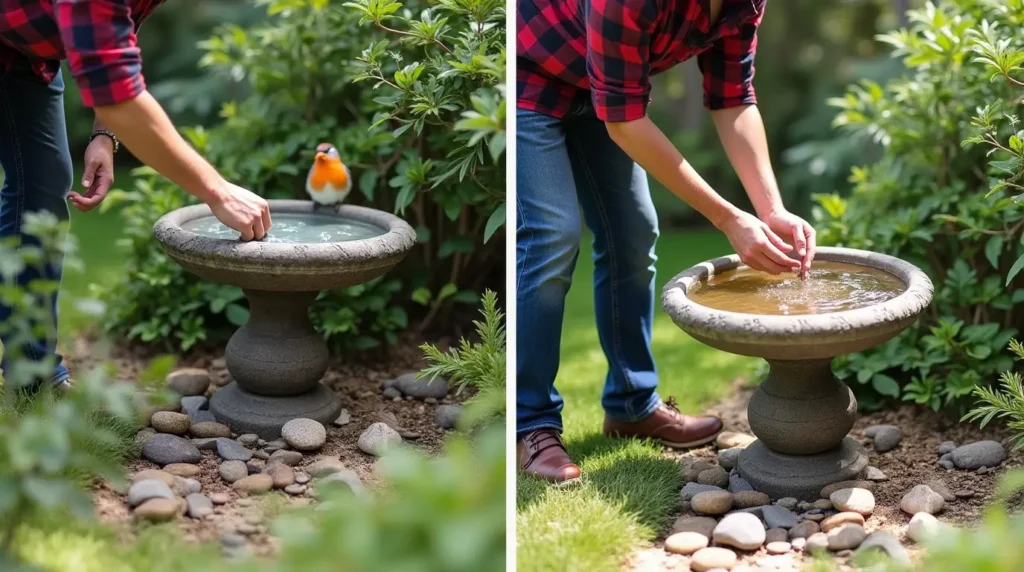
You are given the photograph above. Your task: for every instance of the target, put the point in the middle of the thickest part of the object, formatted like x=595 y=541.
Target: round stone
x=685 y=543
x=159 y=509
x=979 y=454
x=822 y=504
x=281 y=474
x=155 y=474
x=186 y=470
x=798 y=543
x=874 y=474
x=778 y=547
x=729 y=440
x=378 y=439
x=189 y=381
x=171 y=422
x=946 y=447
x=804 y=529
x=922 y=526
x=711 y=558
x=886 y=437
x=193 y=486
x=324 y=466
x=344 y=418
x=391 y=393
x=837 y=520
x=941 y=488
x=712 y=502
x=690 y=489
x=304 y=434
x=301 y=478
x=715 y=476
x=254 y=484
x=921 y=498
x=447 y=416
x=409 y=385
x=776 y=535
x=164 y=449
x=232 y=540
x=142 y=491
x=692 y=468
x=285 y=457
x=749 y=499
x=231 y=450
x=143 y=437
x=220 y=498
x=846 y=537
x=208 y=429
x=740 y=530
x=198 y=505
x=703 y=525
x=826 y=493
x=727 y=458
x=778 y=517
x=232 y=471
x=295 y=489
x=854 y=500
x=250 y=440
x=788 y=503
x=817 y=542
x=348 y=479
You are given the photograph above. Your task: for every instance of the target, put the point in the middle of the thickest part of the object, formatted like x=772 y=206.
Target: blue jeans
x=37 y=177
x=565 y=166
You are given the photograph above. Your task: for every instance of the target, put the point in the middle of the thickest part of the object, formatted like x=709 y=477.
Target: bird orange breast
x=328 y=172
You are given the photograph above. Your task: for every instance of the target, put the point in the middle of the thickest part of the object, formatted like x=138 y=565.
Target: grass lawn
x=630 y=489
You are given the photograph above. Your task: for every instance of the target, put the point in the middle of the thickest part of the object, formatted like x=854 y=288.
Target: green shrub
x=927 y=201
x=480 y=365
x=1007 y=404
x=443 y=514
x=415 y=106
x=49 y=445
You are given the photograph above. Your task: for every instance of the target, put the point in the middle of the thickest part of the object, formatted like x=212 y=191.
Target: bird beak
x=321 y=156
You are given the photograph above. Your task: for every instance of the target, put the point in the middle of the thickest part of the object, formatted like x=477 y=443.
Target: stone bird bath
x=801 y=414
x=276 y=358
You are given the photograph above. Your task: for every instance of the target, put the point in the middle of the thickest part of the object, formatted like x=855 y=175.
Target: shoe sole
x=691 y=444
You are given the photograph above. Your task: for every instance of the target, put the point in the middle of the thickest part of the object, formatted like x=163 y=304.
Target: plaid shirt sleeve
x=103 y=55
x=728 y=68
x=618 y=57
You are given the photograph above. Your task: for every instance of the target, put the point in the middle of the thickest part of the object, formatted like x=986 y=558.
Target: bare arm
x=141 y=124
x=756 y=244
x=742 y=133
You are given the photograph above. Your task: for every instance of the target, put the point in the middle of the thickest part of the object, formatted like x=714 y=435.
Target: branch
x=402 y=33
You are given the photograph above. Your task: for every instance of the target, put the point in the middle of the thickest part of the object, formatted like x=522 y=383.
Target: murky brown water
x=830 y=287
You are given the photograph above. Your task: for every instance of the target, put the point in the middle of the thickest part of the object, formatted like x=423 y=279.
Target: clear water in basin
x=830 y=287
x=295 y=228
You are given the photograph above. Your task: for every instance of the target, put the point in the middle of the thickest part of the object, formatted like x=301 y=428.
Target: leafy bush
x=927 y=201
x=443 y=514
x=479 y=365
x=1007 y=404
x=412 y=97
x=48 y=445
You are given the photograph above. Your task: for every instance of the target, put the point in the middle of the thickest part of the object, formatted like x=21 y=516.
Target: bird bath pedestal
x=801 y=414
x=276 y=358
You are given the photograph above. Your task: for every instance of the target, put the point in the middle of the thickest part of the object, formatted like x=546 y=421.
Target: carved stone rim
x=711 y=324
x=288 y=259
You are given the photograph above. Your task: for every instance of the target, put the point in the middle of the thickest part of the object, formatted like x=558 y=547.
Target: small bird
x=329 y=180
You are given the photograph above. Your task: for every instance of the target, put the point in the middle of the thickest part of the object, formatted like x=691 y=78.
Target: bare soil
x=359 y=383
x=914 y=461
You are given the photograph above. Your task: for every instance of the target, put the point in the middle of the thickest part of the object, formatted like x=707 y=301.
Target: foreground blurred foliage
x=49 y=448
x=412 y=96
x=928 y=200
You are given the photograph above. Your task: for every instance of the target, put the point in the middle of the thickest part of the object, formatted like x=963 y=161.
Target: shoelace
x=541 y=441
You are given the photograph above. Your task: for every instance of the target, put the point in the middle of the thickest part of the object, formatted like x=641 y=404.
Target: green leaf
x=885 y=385
x=1016 y=144
x=494 y=222
x=421 y=296
x=993 y=248
x=1015 y=269
x=237 y=314
x=447 y=291
x=368 y=183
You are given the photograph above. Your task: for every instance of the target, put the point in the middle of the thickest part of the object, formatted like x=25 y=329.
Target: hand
x=98 y=175
x=787 y=224
x=758 y=245
x=241 y=210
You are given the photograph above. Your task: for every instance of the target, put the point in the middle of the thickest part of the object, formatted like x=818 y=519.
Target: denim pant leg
x=617 y=207
x=37 y=177
x=548 y=229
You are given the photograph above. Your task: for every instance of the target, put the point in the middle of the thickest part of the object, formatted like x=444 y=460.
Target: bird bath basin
x=801 y=414
x=276 y=358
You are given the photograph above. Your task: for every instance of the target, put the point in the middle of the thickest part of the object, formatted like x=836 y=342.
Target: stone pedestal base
x=800 y=476
x=264 y=415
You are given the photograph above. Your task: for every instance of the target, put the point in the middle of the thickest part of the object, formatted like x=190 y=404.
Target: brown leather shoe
x=542 y=454
x=669 y=426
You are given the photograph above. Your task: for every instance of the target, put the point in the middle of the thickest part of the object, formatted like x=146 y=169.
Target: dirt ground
x=358 y=383
x=914 y=461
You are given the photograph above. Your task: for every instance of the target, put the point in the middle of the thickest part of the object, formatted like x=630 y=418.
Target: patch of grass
x=630 y=488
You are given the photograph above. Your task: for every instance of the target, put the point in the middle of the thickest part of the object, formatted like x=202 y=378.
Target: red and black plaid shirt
x=607 y=51
x=96 y=36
